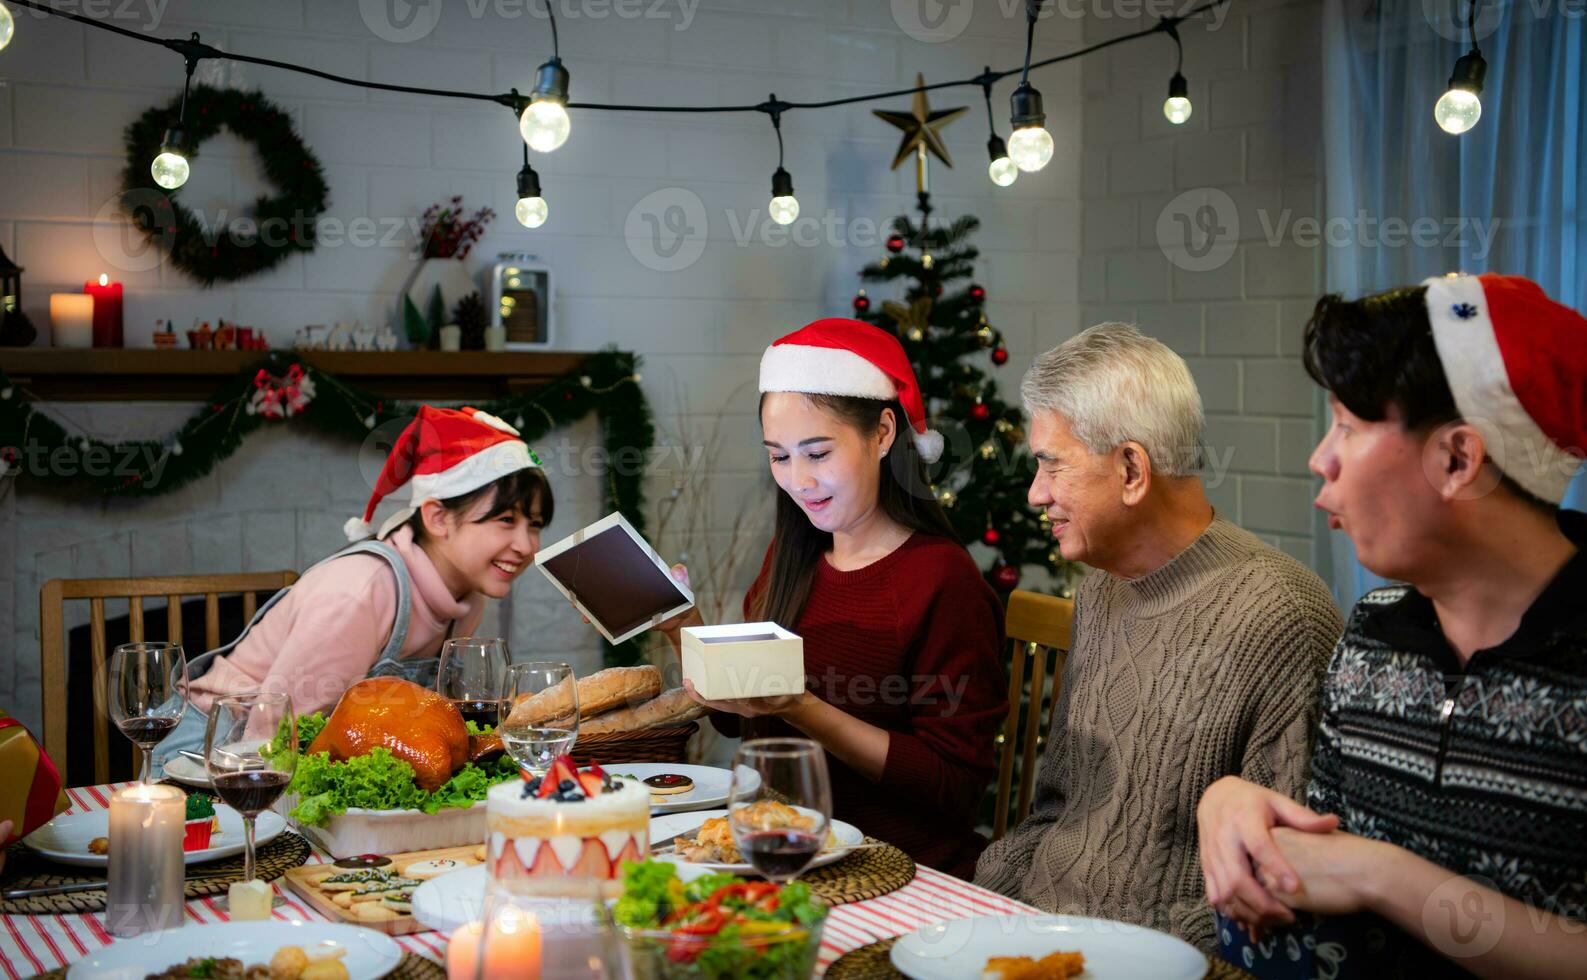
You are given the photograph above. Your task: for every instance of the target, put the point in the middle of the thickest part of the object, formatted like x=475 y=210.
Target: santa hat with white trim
x=836 y=356
x=1516 y=362
x=443 y=453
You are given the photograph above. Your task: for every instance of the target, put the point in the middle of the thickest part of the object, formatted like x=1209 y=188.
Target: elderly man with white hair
x=1198 y=649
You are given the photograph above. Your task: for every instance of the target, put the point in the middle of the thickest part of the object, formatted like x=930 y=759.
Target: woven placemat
x=25 y=868
x=867 y=873
x=872 y=963
x=411 y=967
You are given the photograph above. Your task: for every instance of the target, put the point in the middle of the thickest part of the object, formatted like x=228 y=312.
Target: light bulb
x=784 y=209
x=1002 y=171
x=7 y=26
x=1030 y=148
x=1177 y=109
x=1457 y=110
x=531 y=211
x=170 y=169
x=545 y=125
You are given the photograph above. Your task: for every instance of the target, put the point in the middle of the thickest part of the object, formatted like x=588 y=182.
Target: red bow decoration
x=276 y=398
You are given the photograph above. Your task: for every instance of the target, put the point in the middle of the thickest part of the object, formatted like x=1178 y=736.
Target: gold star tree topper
x=922 y=127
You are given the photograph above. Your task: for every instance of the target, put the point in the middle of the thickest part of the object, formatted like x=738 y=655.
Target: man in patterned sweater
x=1446 y=832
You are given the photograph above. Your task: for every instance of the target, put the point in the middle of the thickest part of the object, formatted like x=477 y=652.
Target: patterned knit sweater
x=1206 y=667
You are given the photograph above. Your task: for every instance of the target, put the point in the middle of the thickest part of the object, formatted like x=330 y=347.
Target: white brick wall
x=1254 y=135
x=67 y=93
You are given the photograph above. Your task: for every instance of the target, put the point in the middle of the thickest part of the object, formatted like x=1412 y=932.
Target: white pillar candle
x=71 y=320
x=146 y=868
x=451 y=337
x=496 y=337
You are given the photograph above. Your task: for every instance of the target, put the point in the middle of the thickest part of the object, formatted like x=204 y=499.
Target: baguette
x=675 y=707
x=602 y=691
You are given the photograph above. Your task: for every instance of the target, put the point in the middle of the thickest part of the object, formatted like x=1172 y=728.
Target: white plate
x=184 y=770
x=666 y=825
x=711 y=785
x=1113 y=950
x=445 y=902
x=370 y=954
x=65 y=839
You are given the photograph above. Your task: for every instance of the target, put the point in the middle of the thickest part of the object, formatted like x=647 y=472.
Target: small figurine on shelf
x=202 y=338
x=225 y=336
x=363 y=337
x=165 y=334
x=385 y=340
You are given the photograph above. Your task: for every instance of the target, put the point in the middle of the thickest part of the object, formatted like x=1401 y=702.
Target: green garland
x=45 y=458
x=281 y=225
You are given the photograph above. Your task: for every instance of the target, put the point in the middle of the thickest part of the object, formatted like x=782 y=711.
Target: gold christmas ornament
x=926 y=261
x=911 y=320
x=984 y=335
x=947 y=498
x=916 y=334
x=988 y=450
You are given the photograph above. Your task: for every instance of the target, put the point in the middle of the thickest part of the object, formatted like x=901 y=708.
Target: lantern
x=16 y=330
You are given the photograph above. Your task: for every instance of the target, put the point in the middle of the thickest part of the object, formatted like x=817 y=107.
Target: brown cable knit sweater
x=1208 y=666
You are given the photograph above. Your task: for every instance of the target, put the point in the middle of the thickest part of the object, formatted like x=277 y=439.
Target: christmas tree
x=942 y=321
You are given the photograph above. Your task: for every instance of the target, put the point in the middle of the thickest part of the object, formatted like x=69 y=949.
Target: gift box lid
x=615 y=578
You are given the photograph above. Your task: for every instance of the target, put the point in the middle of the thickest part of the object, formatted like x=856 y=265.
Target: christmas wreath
x=279 y=225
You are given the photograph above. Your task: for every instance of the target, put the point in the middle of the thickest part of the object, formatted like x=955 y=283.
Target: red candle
x=107 y=311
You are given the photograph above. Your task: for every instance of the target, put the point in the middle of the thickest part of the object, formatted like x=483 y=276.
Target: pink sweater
x=330 y=628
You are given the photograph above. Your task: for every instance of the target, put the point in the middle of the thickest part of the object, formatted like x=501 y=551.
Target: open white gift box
x=746 y=660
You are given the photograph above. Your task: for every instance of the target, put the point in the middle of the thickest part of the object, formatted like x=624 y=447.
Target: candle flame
x=104 y=280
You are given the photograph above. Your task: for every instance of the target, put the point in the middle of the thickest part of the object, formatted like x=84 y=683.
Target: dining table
x=33 y=944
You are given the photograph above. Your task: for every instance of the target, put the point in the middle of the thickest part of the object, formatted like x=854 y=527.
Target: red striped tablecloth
x=31 y=944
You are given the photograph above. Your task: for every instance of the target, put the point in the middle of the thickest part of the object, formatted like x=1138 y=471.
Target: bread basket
x=668 y=743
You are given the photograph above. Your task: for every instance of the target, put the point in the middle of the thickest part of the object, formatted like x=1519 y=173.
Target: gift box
x=749 y=660
x=30 y=786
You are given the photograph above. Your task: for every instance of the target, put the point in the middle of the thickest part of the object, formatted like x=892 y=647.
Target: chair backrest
x=1038 y=627
x=52 y=637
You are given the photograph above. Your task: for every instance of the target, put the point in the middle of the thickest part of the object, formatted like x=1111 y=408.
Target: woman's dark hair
x=1378 y=351
x=904 y=496
x=518 y=490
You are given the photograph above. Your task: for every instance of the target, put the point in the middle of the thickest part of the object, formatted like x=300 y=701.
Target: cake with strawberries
x=566 y=827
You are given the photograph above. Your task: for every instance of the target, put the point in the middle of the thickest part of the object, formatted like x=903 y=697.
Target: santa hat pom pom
x=491 y=420
x=357 y=529
x=929 y=445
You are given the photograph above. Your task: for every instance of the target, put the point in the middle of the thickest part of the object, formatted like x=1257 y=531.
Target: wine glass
x=535 y=744
x=793 y=776
x=147 y=695
x=471 y=675
x=249 y=772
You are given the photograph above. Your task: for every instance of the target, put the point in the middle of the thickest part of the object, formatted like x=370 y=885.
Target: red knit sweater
x=912 y=644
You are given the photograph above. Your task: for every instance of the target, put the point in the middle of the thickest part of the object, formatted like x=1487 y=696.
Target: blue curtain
x=1508 y=196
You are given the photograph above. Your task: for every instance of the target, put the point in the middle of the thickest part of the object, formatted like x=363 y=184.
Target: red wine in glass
x=484 y=714
x=146 y=733
x=779 y=854
x=251 y=791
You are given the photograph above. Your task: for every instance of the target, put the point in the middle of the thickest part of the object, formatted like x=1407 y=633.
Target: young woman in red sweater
x=902 y=636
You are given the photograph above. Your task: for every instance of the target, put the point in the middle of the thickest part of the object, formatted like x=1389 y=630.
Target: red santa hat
x=1517 y=365
x=849 y=357
x=443 y=453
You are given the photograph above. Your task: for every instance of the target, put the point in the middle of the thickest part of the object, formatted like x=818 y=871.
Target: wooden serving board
x=305 y=882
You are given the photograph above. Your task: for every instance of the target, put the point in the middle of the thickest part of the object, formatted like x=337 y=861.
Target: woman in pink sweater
x=384 y=605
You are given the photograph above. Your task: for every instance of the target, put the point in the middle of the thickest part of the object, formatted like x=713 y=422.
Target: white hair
x=1113 y=384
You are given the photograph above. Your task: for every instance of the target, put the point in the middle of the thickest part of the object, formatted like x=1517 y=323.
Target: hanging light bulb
x=1002 y=170
x=544 y=124
x=531 y=209
x=1030 y=146
x=1458 y=109
x=170 y=168
x=7 y=27
x=1177 y=106
x=784 y=206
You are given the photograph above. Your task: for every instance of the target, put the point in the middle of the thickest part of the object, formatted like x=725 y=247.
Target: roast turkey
x=414 y=723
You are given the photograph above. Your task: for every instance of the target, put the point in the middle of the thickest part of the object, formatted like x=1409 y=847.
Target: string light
x=1458 y=109
x=1177 y=108
x=531 y=210
x=7 y=27
x=784 y=206
x=544 y=123
x=1002 y=170
x=1030 y=145
x=170 y=168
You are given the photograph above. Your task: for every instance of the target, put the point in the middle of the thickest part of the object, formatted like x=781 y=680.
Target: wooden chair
x=52 y=637
x=1038 y=627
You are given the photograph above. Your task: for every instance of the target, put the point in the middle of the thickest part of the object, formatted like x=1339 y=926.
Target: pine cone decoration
x=469 y=315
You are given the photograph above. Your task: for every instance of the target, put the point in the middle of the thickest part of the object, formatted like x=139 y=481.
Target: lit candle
x=144 y=891
x=71 y=320
x=107 y=311
x=511 y=948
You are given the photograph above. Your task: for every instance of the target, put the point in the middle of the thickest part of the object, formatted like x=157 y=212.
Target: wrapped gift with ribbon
x=30 y=786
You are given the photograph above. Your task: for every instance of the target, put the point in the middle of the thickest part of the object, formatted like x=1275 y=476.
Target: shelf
x=104 y=374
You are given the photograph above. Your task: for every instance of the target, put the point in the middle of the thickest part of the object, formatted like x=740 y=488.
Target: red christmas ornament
x=862 y=303
x=1005 y=577
x=977 y=292
x=1000 y=356
x=980 y=412
x=991 y=536
x=936 y=289
x=895 y=243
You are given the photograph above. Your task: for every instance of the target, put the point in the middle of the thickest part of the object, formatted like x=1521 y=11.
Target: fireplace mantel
x=104 y=374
